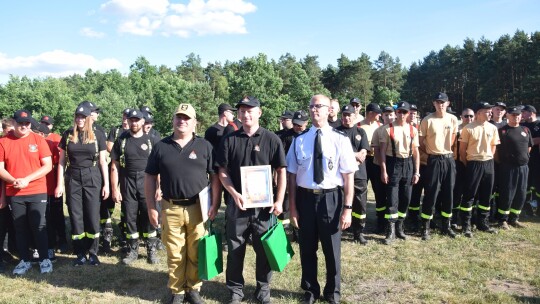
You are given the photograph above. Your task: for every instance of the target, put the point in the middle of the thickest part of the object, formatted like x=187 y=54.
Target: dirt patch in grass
x=512 y=287
x=378 y=291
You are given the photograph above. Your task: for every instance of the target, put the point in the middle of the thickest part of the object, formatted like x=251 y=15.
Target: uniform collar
x=324 y=129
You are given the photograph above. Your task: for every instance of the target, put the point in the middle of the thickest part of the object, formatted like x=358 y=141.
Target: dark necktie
x=318 y=175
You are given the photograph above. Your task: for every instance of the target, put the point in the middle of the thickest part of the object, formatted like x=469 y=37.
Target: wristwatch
x=347 y=206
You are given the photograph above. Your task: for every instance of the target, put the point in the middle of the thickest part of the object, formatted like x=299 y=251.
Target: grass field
x=501 y=268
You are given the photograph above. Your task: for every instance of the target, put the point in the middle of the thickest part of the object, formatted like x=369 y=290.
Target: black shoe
x=80 y=260
x=359 y=238
x=308 y=298
x=93 y=260
x=467 y=231
x=177 y=299
x=193 y=297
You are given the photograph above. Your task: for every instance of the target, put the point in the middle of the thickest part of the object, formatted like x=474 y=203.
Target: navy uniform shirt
x=338 y=158
x=135 y=150
x=534 y=127
x=359 y=141
x=81 y=155
x=238 y=150
x=514 y=147
x=183 y=171
x=213 y=134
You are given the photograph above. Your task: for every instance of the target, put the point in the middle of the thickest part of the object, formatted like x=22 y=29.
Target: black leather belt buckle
x=320 y=191
x=183 y=201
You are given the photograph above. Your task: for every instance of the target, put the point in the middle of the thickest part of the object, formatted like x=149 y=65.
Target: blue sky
x=60 y=37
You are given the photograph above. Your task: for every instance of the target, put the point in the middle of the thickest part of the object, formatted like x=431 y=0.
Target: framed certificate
x=257 y=186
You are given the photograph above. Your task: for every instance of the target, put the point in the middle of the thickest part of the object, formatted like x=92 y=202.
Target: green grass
x=501 y=268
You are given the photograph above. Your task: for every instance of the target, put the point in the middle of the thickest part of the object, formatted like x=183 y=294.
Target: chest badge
x=257 y=148
x=330 y=164
x=32 y=148
x=358 y=137
x=192 y=155
x=144 y=147
x=523 y=134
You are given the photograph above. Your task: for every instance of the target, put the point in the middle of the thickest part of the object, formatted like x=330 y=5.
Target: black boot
x=152 y=250
x=425 y=230
x=400 y=233
x=483 y=224
x=133 y=252
x=390 y=233
x=446 y=229
x=466 y=224
x=359 y=235
x=107 y=240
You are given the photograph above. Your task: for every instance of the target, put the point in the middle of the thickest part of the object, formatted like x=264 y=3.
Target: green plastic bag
x=210 y=255
x=277 y=247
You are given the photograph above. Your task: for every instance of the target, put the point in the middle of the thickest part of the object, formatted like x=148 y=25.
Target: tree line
x=505 y=70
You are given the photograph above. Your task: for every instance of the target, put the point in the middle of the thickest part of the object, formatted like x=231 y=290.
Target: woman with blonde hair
x=83 y=156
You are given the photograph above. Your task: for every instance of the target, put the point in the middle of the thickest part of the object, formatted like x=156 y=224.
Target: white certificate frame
x=257 y=189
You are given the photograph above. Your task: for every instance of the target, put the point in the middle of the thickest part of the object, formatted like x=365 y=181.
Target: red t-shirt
x=21 y=157
x=53 y=140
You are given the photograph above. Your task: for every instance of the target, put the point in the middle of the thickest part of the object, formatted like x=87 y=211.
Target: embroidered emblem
x=144 y=147
x=330 y=164
x=358 y=137
x=32 y=148
x=523 y=134
x=192 y=155
x=257 y=148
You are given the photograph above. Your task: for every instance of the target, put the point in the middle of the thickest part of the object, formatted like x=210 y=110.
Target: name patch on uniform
x=192 y=155
x=257 y=148
x=32 y=148
x=144 y=147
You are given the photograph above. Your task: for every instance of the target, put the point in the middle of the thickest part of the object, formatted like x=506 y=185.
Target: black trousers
x=134 y=201
x=417 y=190
x=512 y=190
x=56 y=222
x=459 y=186
x=479 y=183
x=399 y=187
x=359 y=208
x=6 y=228
x=440 y=178
x=240 y=224
x=83 y=191
x=319 y=219
x=28 y=213
x=374 y=176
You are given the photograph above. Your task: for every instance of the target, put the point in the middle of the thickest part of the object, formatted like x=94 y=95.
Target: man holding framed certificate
x=246 y=152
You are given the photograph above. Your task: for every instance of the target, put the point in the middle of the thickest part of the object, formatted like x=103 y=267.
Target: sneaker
x=93 y=260
x=80 y=260
x=45 y=266
x=52 y=255
x=22 y=268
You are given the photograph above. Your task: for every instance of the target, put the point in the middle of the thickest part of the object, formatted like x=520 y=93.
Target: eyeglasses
x=317 y=106
x=468 y=116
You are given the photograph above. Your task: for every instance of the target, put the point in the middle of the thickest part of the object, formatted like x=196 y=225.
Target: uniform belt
x=183 y=201
x=319 y=191
x=449 y=155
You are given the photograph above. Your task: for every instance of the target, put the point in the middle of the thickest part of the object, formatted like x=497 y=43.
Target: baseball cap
x=373 y=107
x=388 y=109
x=441 y=96
x=500 y=104
x=403 y=105
x=249 y=101
x=148 y=118
x=354 y=100
x=413 y=107
x=186 y=109
x=513 y=110
x=287 y=115
x=89 y=105
x=481 y=105
x=47 y=120
x=126 y=111
x=82 y=110
x=300 y=117
x=146 y=109
x=135 y=114
x=225 y=107
x=22 y=116
x=529 y=108
x=347 y=109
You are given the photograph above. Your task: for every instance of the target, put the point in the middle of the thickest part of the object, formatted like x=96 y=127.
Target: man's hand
x=116 y=196
x=415 y=179
x=293 y=215
x=20 y=183
x=384 y=177
x=213 y=212
x=277 y=208
x=239 y=201
x=346 y=219
x=105 y=192
x=153 y=217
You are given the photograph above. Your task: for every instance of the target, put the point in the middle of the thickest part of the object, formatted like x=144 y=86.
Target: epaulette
x=339 y=131
x=303 y=132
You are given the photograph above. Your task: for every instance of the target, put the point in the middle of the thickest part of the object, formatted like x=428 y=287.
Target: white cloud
x=55 y=63
x=200 y=17
x=89 y=32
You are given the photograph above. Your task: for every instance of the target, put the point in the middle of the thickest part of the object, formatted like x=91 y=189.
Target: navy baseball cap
x=287 y=115
x=300 y=117
x=481 y=105
x=146 y=109
x=373 y=107
x=529 y=108
x=355 y=100
x=225 y=107
x=388 y=109
x=47 y=120
x=414 y=107
x=513 y=110
x=500 y=104
x=403 y=105
x=347 y=109
x=89 y=105
x=135 y=114
x=22 y=116
x=441 y=96
x=82 y=110
x=249 y=101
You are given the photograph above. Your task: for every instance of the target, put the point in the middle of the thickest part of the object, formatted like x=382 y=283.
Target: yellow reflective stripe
x=380 y=209
x=358 y=215
x=514 y=211
x=414 y=208
x=106 y=221
x=132 y=236
x=503 y=211
x=495 y=195
x=149 y=235
x=78 y=236
x=483 y=207
x=111 y=210
x=537 y=194
x=426 y=217
x=391 y=216
x=447 y=215
x=465 y=208
x=401 y=214
x=92 y=236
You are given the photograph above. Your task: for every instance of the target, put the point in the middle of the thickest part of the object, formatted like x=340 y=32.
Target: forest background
x=506 y=70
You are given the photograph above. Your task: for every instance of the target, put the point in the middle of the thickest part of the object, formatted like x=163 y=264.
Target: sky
x=60 y=37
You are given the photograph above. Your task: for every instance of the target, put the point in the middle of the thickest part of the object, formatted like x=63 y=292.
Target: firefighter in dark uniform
x=251 y=145
x=497 y=119
x=400 y=166
x=83 y=153
x=183 y=162
x=129 y=156
x=529 y=120
x=360 y=145
x=512 y=155
x=149 y=122
x=286 y=122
